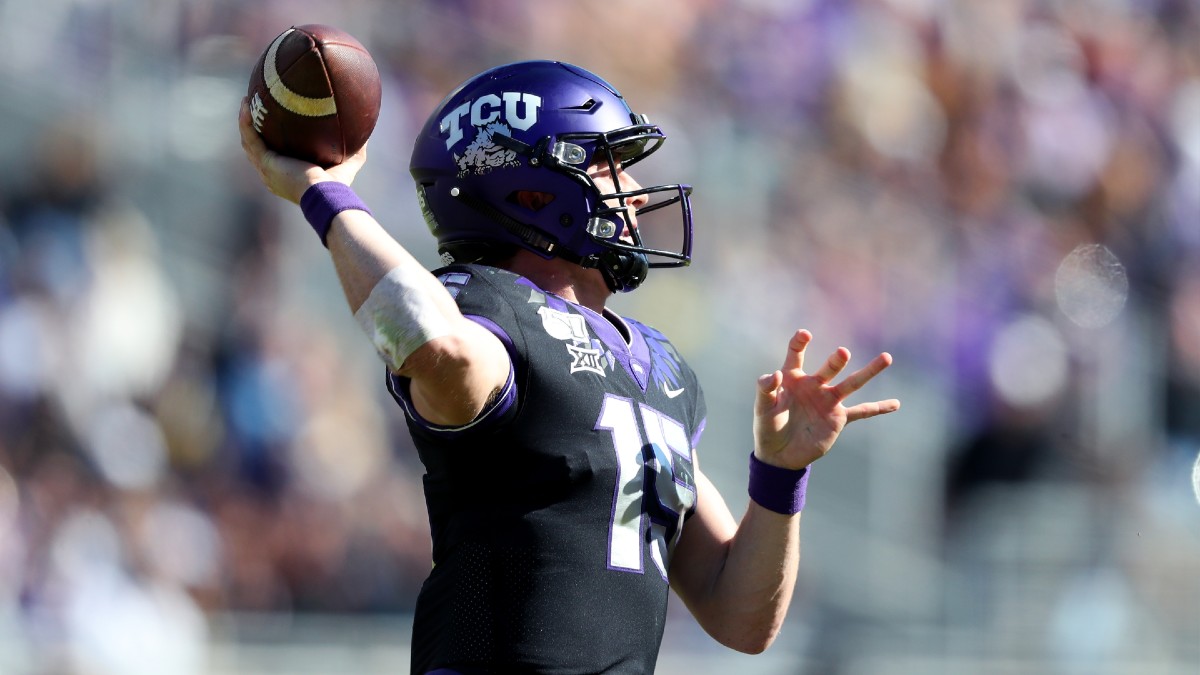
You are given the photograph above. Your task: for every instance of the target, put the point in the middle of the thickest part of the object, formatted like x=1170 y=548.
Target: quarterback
x=560 y=440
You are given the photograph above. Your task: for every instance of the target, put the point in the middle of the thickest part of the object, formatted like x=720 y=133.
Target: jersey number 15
x=655 y=484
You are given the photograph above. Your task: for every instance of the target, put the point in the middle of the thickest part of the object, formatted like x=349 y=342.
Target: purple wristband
x=322 y=201
x=777 y=489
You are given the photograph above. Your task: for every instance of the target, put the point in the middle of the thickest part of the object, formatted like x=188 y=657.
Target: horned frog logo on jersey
x=572 y=329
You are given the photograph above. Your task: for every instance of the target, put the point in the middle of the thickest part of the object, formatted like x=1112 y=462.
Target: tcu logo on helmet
x=519 y=110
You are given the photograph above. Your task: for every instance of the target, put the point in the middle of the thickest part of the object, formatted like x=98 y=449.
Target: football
x=315 y=94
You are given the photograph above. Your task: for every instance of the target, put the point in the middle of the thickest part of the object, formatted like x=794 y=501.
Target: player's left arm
x=737 y=578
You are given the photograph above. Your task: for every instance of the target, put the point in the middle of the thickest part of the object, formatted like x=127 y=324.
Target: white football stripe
x=288 y=99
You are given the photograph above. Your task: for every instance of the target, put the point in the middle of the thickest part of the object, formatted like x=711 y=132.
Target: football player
x=559 y=439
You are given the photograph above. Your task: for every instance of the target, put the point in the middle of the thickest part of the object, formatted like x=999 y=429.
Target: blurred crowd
x=1005 y=195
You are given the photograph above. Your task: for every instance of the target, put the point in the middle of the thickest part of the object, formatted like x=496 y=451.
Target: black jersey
x=555 y=513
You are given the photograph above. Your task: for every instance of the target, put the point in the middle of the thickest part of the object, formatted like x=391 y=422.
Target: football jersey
x=554 y=514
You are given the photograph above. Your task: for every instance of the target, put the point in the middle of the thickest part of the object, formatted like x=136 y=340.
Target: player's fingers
x=796 y=346
x=252 y=143
x=244 y=118
x=864 y=410
x=768 y=390
x=855 y=381
x=347 y=170
x=770 y=382
x=833 y=365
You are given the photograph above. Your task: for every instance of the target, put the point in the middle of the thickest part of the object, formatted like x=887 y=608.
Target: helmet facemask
x=623 y=250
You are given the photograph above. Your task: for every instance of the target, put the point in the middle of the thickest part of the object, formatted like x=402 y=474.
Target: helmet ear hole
x=531 y=199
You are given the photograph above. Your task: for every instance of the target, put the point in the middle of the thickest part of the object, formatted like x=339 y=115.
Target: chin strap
x=522 y=231
x=623 y=270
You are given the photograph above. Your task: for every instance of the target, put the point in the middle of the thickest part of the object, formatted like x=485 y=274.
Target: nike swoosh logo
x=672 y=393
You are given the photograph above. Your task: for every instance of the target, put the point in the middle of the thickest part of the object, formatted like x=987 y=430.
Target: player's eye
x=630 y=150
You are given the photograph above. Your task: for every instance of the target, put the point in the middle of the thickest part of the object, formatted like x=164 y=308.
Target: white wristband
x=400 y=315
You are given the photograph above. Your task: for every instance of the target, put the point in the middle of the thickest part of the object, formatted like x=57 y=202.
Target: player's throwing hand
x=288 y=177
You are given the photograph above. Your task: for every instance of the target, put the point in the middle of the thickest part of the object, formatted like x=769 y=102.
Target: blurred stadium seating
x=200 y=471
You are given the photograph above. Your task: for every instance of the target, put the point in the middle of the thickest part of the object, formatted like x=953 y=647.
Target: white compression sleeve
x=399 y=315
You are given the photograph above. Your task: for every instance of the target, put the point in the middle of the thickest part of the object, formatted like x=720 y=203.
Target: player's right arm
x=454 y=364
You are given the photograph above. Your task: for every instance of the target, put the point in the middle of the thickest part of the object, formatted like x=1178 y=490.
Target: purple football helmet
x=503 y=162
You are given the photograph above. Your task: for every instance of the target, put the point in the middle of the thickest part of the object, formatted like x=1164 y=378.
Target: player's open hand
x=288 y=177
x=797 y=416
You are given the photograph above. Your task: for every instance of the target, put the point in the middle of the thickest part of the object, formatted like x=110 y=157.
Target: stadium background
x=200 y=471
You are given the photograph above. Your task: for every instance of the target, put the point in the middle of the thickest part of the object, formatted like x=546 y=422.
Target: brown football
x=315 y=94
